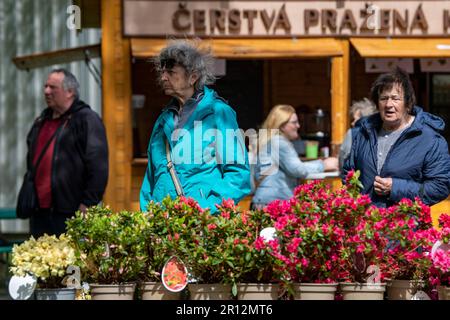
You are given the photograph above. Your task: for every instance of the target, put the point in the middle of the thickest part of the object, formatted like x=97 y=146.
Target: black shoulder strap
x=34 y=167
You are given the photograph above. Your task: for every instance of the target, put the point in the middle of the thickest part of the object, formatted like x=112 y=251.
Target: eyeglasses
x=385 y=99
x=294 y=122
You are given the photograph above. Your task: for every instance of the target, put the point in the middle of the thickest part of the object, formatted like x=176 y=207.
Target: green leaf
x=216 y=262
x=234 y=289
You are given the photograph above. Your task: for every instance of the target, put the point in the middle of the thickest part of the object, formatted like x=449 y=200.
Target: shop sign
x=285 y=18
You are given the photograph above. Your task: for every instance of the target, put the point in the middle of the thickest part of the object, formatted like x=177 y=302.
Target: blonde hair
x=278 y=117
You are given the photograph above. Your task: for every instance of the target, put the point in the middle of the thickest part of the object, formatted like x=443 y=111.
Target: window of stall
x=440 y=99
x=251 y=87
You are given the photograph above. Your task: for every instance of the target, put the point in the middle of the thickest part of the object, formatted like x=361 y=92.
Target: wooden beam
x=116 y=66
x=402 y=48
x=340 y=84
x=250 y=48
x=44 y=59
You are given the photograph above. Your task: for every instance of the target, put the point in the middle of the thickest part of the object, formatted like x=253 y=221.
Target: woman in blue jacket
x=197 y=135
x=400 y=151
x=278 y=166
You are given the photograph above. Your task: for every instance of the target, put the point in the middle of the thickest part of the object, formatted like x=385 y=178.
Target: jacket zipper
x=400 y=139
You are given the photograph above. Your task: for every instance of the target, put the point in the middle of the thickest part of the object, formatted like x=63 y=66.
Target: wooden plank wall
x=340 y=86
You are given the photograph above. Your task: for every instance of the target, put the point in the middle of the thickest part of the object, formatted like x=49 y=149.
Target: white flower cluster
x=46 y=257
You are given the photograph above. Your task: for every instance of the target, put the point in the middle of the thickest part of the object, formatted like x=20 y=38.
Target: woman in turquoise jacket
x=205 y=144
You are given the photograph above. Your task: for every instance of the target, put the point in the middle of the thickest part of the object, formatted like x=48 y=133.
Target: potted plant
x=158 y=251
x=251 y=265
x=111 y=248
x=310 y=238
x=440 y=268
x=363 y=244
x=218 y=250
x=200 y=239
x=47 y=258
x=325 y=236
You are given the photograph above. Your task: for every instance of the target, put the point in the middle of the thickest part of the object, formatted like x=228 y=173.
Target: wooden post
x=116 y=78
x=340 y=87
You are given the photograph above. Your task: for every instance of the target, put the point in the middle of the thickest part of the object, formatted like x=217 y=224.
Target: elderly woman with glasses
x=196 y=148
x=400 y=150
x=278 y=166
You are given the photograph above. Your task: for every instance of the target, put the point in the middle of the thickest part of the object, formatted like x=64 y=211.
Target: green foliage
x=215 y=248
x=111 y=246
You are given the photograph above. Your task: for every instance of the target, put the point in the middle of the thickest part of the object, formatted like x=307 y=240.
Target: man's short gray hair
x=188 y=55
x=365 y=106
x=70 y=82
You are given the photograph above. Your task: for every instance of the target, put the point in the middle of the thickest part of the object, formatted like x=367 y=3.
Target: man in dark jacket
x=73 y=170
x=400 y=151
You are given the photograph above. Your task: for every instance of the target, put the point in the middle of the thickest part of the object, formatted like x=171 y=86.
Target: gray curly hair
x=188 y=55
x=365 y=106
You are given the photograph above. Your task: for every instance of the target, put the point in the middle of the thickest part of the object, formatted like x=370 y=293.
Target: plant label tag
x=420 y=295
x=174 y=275
x=268 y=234
x=22 y=288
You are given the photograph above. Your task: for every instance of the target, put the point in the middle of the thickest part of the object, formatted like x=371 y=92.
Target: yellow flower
x=45 y=257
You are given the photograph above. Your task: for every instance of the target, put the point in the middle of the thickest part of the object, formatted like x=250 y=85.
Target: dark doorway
x=242 y=87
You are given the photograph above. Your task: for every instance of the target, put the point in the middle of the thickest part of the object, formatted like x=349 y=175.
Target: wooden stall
x=298 y=52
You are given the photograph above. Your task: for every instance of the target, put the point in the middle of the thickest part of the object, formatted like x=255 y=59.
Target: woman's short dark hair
x=388 y=80
x=188 y=55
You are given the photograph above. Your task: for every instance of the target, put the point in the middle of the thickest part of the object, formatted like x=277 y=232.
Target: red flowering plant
x=178 y=225
x=409 y=229
x=325 y=236
x=363 y=246
x=351 y=221
x=160 y=215
x=218 y=248
x=251 y=263
x=440 y=267
x=396 y=240
x=206 y=243
x=313 y=230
